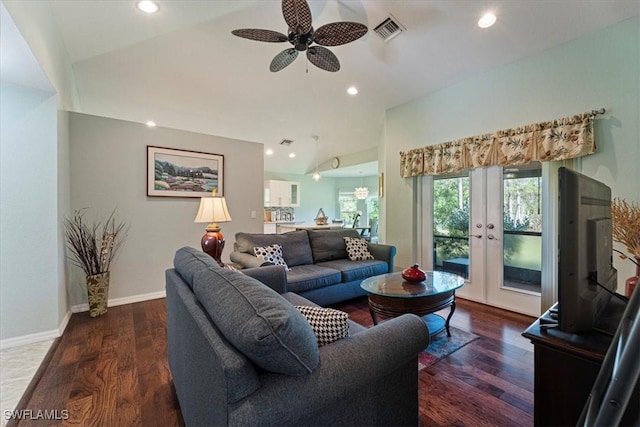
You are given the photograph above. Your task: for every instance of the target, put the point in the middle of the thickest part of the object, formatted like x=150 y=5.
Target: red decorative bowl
x=413 y=274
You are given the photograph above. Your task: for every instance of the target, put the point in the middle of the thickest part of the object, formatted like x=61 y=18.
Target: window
x=348 y=205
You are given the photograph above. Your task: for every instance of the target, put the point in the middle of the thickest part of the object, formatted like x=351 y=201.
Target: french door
x=491 y=236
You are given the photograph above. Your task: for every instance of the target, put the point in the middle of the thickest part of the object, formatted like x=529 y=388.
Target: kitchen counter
x=284 y=222
x=284 y=228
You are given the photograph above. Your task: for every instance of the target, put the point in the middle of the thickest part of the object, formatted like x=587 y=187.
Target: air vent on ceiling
x=286 y=142
x=389 y=28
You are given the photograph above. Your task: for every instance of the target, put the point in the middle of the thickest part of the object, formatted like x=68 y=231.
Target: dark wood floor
x=113 y=371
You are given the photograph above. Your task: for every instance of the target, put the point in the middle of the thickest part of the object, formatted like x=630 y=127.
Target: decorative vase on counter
x=632 y=281
x=98 y=293
x=321 y=218
x=413 y=274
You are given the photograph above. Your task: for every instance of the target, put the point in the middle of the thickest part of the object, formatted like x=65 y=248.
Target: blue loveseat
x=241 y=354
x=320 y=268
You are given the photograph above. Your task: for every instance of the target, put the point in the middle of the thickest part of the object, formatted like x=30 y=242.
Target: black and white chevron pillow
x=328 y=324
x=357 y=248
x=272 y=254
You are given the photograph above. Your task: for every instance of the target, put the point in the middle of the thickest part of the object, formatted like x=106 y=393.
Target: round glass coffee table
x=390 y=295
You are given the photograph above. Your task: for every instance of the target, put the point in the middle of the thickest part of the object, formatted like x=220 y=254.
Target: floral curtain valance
x=559 y=139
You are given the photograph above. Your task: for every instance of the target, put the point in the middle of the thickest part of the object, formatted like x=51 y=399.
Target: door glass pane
x=522 y=228
x=451 y=224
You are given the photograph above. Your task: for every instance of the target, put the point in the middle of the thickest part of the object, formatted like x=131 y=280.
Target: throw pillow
x=257 y=321
x=357 y=249
x=272 y=254
x=328 y=324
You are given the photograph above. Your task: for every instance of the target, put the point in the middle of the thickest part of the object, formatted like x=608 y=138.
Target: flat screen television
x=585 y=252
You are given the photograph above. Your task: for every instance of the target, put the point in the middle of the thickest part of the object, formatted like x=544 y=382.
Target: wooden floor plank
x=113 y=370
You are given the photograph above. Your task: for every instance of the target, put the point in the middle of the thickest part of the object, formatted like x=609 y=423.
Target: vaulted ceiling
x=182 y=67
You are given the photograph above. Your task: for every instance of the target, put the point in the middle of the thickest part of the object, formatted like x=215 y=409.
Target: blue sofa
x=226 y=370
x=320 y=269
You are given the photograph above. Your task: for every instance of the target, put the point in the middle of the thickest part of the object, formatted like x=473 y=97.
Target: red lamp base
x=213 y=244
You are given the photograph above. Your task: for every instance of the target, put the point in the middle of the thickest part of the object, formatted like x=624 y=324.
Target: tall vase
x=632 y=281
x=98 y=292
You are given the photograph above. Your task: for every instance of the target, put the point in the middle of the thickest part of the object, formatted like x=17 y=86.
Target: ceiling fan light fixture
x=487 y=20
x=304 y=38
x=147 y=6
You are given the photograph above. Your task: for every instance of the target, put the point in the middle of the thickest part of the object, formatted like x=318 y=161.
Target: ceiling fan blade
x=338 y=33
x=323 y=58
x=297 y=15
x=260 y=35
x=283 y=59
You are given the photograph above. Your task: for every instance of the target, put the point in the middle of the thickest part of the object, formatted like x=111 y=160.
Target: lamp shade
x=212 y=210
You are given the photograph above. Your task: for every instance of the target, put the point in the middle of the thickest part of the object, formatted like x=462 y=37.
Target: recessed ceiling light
x=147 y=6
x=487 y=20
x=151 y=123
x=269 y=152
x=352 y=90
x=292 y=155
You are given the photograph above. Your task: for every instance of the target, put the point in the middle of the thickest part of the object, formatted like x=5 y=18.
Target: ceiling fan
x=301 y=35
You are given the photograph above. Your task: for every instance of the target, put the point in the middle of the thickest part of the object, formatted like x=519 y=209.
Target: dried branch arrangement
x=93 y=246
x=626 y=224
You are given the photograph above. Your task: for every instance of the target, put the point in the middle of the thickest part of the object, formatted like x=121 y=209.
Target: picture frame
x=173 y=172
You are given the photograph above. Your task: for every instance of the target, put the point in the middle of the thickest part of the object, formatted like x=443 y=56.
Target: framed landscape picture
x=182 y=173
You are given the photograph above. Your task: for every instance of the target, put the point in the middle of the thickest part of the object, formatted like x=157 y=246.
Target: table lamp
x=213 y=210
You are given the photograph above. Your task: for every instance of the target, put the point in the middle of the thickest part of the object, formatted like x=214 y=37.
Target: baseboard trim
x=56 y=333
x=64 y=323
x=79 y=308
x=29 y=339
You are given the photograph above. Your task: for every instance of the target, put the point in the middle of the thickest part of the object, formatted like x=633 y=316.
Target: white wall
x=108 y=170
x=64 y=209
x=34 y=20
x=597 y=70
x=30 y=268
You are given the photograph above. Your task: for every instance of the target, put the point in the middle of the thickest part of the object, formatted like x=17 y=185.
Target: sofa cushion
x=357 y=270
x=189 y=261
x=256 y=320
x=296 y=249
x=357 y=248
x=328 y=324
x=305 y=277
x=327 y=245
x=295 y=299
x=270 y=255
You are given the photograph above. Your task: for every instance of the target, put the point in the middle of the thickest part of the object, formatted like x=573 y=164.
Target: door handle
x=490 y=226
x=479 y=236
x=492 y=237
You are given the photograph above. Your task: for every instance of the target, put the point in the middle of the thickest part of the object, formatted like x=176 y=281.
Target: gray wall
x=108 y=170
x=597 y=70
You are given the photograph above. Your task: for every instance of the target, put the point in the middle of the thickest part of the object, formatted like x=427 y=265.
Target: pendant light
x=316 y=176
x=361 y=192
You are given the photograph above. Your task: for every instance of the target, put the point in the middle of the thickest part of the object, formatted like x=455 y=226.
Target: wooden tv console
x=566 y=366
